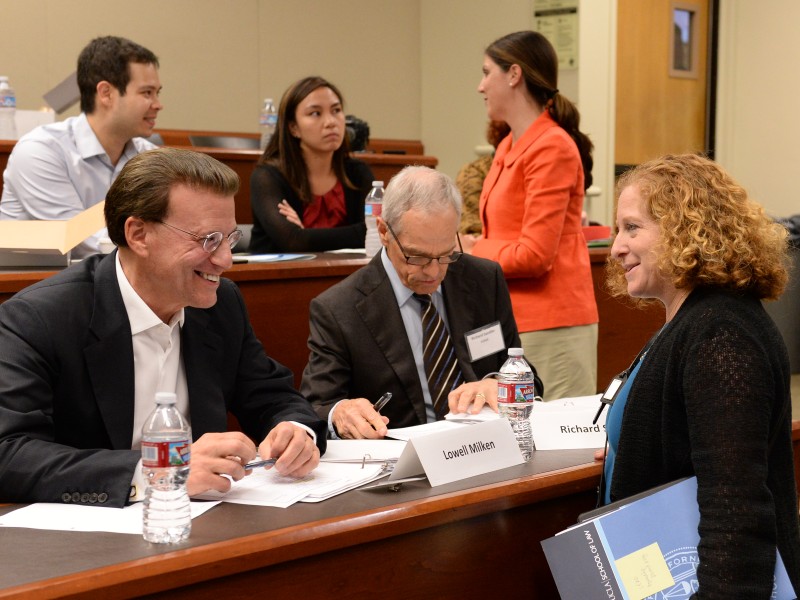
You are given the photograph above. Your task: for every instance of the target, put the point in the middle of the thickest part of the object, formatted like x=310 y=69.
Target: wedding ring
x=479 y=395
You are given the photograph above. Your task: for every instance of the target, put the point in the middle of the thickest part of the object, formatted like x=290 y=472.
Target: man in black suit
x=367 y=332
x=82 y=353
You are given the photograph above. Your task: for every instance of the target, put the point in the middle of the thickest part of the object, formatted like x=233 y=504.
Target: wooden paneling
x=388 y=159
x=656 y=113
x=278 y=295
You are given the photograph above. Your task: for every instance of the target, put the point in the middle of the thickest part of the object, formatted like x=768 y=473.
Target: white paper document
x=407 y=433
x=357 y=450
x=270 y=258
x=269 y=488
x=73 y=517
x=486 y=414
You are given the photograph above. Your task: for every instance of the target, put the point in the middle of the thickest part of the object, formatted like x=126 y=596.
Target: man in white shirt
x=59 y=170
x=85 y=351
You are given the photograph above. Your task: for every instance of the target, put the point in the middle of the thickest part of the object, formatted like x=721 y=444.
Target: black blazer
x=67 y=384
x=273 y=233
x=359 y=347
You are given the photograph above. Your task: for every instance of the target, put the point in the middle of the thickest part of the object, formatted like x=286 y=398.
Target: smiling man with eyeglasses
x=402 y=323
x=85 y=351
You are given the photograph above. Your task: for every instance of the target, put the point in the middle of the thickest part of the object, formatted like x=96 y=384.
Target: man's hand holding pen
x=359 y=419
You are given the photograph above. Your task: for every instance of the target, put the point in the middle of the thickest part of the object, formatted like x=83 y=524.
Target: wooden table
x=478 y=538
x=471 y=539
x=384 y=165
x=278 y=295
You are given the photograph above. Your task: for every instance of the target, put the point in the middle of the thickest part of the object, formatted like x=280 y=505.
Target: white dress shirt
x=157 y=364
x=59 y=170
x=157 y=367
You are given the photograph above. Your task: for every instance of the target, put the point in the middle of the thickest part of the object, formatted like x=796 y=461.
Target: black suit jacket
x=359 y=347
x=67 y=385
x=272 y=232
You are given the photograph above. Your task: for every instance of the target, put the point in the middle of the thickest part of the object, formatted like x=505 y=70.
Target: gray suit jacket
x=67 y=385
x=359 y=347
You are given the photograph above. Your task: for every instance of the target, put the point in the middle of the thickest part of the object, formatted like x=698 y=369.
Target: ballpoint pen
x=260 y=463
x=382 y=401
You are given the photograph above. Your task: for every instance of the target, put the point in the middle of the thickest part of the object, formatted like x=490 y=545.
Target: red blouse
x=327 y=210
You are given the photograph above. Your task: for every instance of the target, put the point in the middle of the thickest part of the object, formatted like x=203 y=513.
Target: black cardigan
x=273 y=233
x=712 y=399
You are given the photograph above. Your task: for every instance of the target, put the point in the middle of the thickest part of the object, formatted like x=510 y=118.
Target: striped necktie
x=438 y=356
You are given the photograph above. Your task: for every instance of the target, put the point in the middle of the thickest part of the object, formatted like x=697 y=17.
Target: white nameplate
x=464 y=451
x=566 y=424
x=484 y=341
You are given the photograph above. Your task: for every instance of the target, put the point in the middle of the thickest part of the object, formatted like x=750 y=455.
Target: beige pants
x=565 y=358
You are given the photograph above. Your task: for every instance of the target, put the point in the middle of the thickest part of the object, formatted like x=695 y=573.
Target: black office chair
x=231 y=142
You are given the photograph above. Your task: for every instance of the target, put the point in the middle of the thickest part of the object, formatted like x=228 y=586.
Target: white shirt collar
x=140 y=315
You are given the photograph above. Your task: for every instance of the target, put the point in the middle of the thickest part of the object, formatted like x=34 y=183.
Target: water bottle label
x=8 y=101
x=372 y=210
x=166 y=454
x=510 y=393
x=265 y=120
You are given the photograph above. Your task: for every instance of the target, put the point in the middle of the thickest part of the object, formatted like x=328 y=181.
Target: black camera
x=357 y=133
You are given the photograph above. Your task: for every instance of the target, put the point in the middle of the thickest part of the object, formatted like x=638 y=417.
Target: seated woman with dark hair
x=306 y=193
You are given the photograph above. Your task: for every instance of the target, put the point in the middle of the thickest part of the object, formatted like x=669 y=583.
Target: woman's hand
x=290 y=214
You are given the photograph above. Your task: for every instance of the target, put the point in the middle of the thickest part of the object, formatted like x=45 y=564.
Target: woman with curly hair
x=710 y=395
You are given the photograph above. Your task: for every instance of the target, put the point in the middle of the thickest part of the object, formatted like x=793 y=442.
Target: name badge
x=484 y=341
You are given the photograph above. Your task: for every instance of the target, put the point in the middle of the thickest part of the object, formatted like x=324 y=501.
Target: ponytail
x=538 y=61
x=566 y=114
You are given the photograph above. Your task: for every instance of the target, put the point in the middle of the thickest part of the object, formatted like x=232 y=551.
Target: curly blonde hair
x=712 y=233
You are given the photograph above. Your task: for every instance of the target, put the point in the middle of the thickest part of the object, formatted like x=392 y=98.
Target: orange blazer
x=530 y=208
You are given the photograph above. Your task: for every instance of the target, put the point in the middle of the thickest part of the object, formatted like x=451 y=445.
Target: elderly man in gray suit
x=422 y=320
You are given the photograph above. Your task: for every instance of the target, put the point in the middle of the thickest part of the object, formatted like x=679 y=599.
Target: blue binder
x=584 y=559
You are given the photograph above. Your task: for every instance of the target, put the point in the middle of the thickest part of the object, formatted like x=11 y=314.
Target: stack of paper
x=347 y=464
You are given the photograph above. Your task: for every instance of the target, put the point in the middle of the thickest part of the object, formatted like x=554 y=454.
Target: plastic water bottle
x=372 y=208
x=166 y=450
x=8 y=110
x=515 y=396
x=267 y=121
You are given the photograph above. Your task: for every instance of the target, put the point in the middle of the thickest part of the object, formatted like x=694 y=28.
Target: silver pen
x=260 y=463
x=382 y=401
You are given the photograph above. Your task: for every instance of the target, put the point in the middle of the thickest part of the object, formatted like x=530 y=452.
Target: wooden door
x=660 y=108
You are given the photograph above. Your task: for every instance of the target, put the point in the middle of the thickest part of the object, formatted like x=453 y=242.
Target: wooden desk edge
x=212 y=561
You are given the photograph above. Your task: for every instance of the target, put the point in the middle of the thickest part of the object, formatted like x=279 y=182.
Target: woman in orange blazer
x=531 y=207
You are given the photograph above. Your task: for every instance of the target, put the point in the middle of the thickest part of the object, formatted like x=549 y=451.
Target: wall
x=220 y=59
x=757 y=104
x=454 y=35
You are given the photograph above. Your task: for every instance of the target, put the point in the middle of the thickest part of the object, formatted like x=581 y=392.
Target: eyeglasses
x=423 y=261
x=211 y=241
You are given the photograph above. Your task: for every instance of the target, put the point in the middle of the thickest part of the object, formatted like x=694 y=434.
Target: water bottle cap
x=377 y=184
x=515 y=352
x=165 y=398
